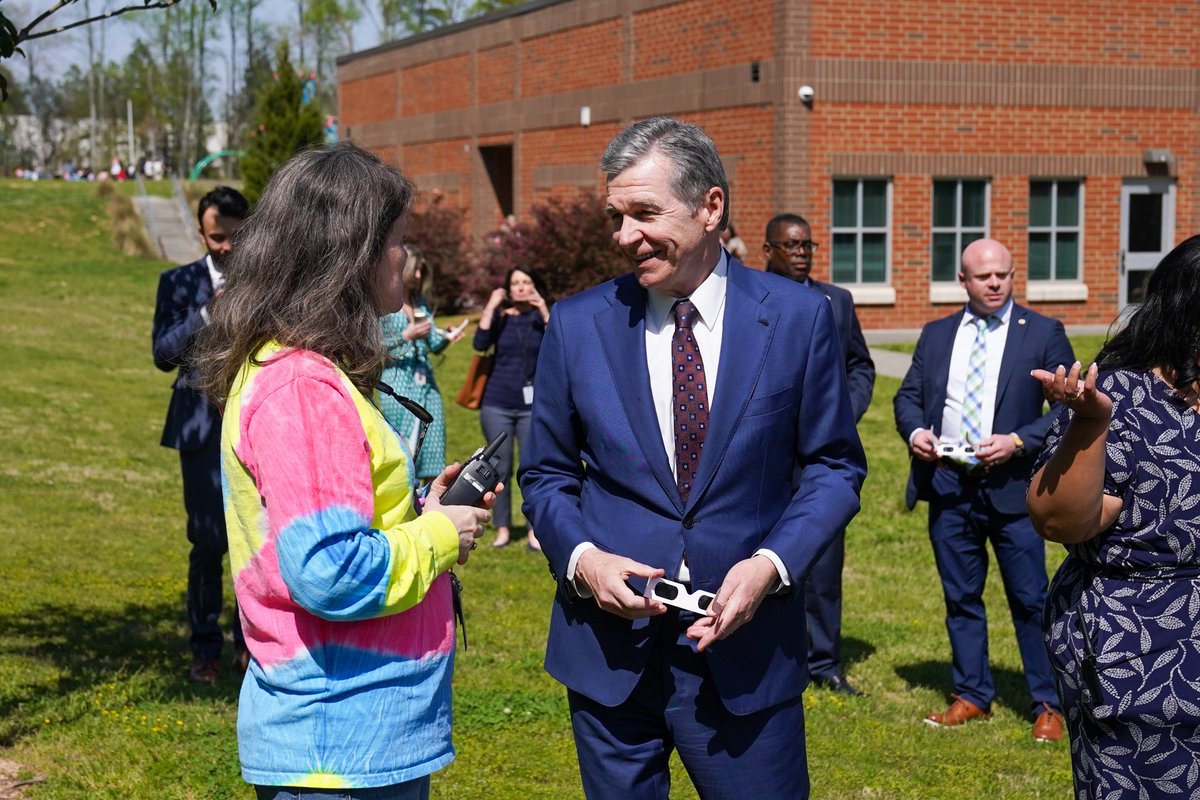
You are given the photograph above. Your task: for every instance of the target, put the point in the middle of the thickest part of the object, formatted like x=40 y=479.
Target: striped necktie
x=972 y=410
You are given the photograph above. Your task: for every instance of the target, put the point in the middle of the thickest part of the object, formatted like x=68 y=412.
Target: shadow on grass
x=1011 y=689
x=63 y=650
x=855 y=650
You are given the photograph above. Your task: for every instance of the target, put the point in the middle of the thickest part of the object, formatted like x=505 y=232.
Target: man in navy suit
x=969 y=386
x=631 y=474
x=789 y=250
x=193 y=426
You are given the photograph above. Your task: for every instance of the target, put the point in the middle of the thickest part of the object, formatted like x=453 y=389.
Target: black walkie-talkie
x=480 y=475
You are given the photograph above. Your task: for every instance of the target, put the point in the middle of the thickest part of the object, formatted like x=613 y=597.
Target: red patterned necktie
x=691 y=397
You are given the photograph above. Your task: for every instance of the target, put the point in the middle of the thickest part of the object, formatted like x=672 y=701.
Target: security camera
x=806 y=94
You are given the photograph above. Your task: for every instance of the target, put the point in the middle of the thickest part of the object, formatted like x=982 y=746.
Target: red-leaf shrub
x=568 y=241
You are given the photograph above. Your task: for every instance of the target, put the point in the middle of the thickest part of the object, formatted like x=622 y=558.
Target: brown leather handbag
x=471 y=393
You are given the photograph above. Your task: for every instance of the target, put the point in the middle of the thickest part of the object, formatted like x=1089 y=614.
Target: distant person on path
x=691 y=421
x=968 y=387
x=412 y=336
x=193 y=426
x=513 y=323
x=789 y=250
x=343 y=580
x=1117 y=484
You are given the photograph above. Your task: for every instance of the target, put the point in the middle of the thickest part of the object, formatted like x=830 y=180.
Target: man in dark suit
x=969 y=387
x=789 y=250
x=631 y=475
x=193 y=426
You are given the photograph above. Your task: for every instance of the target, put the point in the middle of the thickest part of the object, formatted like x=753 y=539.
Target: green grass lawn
x=93 y=653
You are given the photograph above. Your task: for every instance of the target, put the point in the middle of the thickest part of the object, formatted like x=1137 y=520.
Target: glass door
x=1147 y=232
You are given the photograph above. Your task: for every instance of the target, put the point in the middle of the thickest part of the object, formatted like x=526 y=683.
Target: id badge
x=527 y=392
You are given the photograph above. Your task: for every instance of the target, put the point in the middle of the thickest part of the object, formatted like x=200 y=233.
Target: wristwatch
x=1020 y=444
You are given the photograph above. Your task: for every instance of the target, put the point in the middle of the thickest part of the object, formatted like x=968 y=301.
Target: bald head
x=987 y=275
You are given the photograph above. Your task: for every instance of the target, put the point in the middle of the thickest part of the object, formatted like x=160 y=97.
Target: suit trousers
x=961 y=523
x=202 y=498
x=823 y=610
x=624 y=751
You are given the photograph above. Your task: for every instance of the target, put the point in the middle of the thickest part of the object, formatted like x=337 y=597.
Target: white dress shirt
x=709 y=300
x=960 y=357
x=218 y=281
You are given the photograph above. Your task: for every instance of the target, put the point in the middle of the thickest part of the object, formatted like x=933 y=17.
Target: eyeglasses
x=795 y=245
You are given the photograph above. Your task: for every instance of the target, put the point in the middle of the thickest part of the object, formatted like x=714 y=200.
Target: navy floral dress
x=1123 y=612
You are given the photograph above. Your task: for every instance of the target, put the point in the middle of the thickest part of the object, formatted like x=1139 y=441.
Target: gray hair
x=695 y=165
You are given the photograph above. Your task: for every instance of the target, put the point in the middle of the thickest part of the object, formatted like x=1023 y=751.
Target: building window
x=861 y=212
x=959 y=218
x=1055 y=230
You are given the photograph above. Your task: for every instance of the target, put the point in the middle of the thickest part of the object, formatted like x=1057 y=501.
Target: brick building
x=1067 y=130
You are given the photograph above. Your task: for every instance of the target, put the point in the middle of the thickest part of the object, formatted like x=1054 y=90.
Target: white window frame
x=875 y=292
x=1056 y=288
x=958 y=229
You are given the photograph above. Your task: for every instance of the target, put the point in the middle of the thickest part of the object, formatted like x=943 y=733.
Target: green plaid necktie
x=972 y=410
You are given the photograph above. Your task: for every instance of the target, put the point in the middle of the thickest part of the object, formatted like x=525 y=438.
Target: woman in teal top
x=412 y=337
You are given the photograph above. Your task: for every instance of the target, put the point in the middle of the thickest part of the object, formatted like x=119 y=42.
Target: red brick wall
x=426 y=163
x=561 y=147
x=370 y=99
x=438 y=85
x=576 y=58
x=700 y=34
x=497 y=75
x=1143 y=32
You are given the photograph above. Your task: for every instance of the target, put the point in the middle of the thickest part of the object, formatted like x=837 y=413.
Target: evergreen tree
x=283 y=126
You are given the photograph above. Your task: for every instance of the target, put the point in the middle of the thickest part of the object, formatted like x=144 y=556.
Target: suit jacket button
x=688 y=523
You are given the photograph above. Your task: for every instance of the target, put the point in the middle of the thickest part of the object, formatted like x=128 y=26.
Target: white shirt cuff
x=913 y=435
x=204 y=314
x=573 y=562
x=785 y=580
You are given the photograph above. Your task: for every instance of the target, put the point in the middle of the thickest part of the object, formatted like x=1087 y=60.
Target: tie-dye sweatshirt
x=343 y=588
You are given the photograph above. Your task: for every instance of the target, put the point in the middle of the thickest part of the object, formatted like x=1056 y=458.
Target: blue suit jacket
x=1033 y=342
x=182 y=292
x=595 y=471
x=860 y=369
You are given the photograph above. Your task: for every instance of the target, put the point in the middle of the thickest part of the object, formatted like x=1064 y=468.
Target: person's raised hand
x=495 y=299
x=1079 y=393
x=539 y=303
x=467 y=520
x=604 y=575
x=417 y=330
x=745 y=586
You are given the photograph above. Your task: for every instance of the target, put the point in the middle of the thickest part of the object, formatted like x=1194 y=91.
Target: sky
x=53 y=55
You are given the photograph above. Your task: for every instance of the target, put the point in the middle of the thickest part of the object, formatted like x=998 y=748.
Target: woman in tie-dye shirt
x=342 y=579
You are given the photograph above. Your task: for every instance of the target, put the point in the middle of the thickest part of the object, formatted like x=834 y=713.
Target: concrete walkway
x=170 y=227
x=890 y=363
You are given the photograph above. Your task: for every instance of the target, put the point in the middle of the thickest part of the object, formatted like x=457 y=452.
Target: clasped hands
x=741 y=593
x=994 y=450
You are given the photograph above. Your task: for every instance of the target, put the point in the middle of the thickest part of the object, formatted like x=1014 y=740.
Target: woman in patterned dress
x=412 y=337
x=1118 y=482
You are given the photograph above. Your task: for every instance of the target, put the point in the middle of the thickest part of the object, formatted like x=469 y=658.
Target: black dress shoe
x=837 y=683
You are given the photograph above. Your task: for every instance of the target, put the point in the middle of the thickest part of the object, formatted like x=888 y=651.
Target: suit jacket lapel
x=938 y=367
x=1013 y=344
x=622 y=329
x=204 y=285
x=749 y=327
